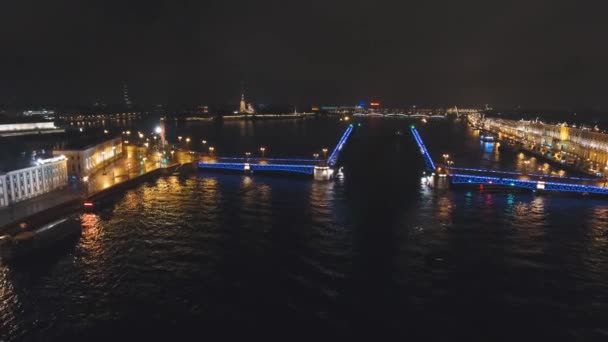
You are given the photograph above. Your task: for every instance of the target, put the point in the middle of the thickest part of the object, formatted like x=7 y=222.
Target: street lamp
x=144 y=161
x=262 y=149
x=85 y=179
x=445 y=158
x=172 y=154
x=179 y=138
x=248 y=154
x=324 y=153
x=316 y=155
x=211 y=149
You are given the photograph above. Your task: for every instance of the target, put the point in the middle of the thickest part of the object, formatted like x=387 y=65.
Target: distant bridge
x=510 y=179
x=321 y=170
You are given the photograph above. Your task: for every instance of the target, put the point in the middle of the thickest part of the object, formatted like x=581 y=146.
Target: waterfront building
x=245 y=108
x=45 y=175
x=27 y=128
x=84 y=159
x=584 y=149
x=49 y=114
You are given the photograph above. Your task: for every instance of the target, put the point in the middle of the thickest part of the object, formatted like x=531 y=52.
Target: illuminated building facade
x=44 y=176
x=88 y=159
x=27 y=126
x=582 y=147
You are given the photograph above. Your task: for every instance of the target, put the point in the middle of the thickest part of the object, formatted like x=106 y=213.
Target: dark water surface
x=373 y=255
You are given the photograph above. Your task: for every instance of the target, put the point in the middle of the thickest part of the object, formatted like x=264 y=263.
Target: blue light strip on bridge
x=304 y=169
x=428 y=161
x=521 y=174
x=484 y=170
x=270 y=159
x=333 y=157
x=527 y=184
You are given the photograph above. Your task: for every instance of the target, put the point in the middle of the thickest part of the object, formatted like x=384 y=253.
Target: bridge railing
x=539 y=175
x=426 y=156
x=303 y=166
x=528 y=184
x=333 y=157
x=258 y=159
x=304 y=169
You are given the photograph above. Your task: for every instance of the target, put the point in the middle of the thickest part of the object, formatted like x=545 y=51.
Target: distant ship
x=487 y=137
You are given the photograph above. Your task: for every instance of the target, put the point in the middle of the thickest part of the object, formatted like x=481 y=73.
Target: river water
x=374 y=254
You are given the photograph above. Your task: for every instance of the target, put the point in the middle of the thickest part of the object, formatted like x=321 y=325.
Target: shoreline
x=71 y=206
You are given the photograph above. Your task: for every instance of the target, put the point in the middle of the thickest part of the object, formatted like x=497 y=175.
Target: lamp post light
x=445 y=158
x=144 y=161
x=324 y=153
x=211 y=150
x=263 y=150
x=248 y=154
x=85 y=179
x=172 y=152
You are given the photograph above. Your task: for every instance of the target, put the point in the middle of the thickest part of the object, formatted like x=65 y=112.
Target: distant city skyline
x=544 y=54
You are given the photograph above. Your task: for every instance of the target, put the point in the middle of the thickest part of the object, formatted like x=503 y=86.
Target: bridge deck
x=290 y=165
x=534 y=177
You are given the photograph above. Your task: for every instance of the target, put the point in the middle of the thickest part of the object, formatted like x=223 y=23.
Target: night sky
x=531 y=53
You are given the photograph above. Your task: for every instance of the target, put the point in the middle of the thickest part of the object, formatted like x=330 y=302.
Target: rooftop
x=85 y=142
x=24 y=162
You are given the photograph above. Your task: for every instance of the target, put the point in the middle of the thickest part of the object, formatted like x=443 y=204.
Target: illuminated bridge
x=321 y=170
x=483 y=178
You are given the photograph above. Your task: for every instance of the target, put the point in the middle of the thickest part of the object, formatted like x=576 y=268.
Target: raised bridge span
x=320 y=169
x=510 y=179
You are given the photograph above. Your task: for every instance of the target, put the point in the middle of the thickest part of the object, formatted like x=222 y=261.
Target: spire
x=243 y=106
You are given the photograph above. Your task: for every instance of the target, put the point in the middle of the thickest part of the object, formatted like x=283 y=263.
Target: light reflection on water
x=223 y=253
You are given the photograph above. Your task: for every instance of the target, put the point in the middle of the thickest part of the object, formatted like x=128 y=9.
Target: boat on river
x=487 y=137
x=29 y=242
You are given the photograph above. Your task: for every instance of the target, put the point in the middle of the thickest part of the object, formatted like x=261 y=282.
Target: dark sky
x=529 y=53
